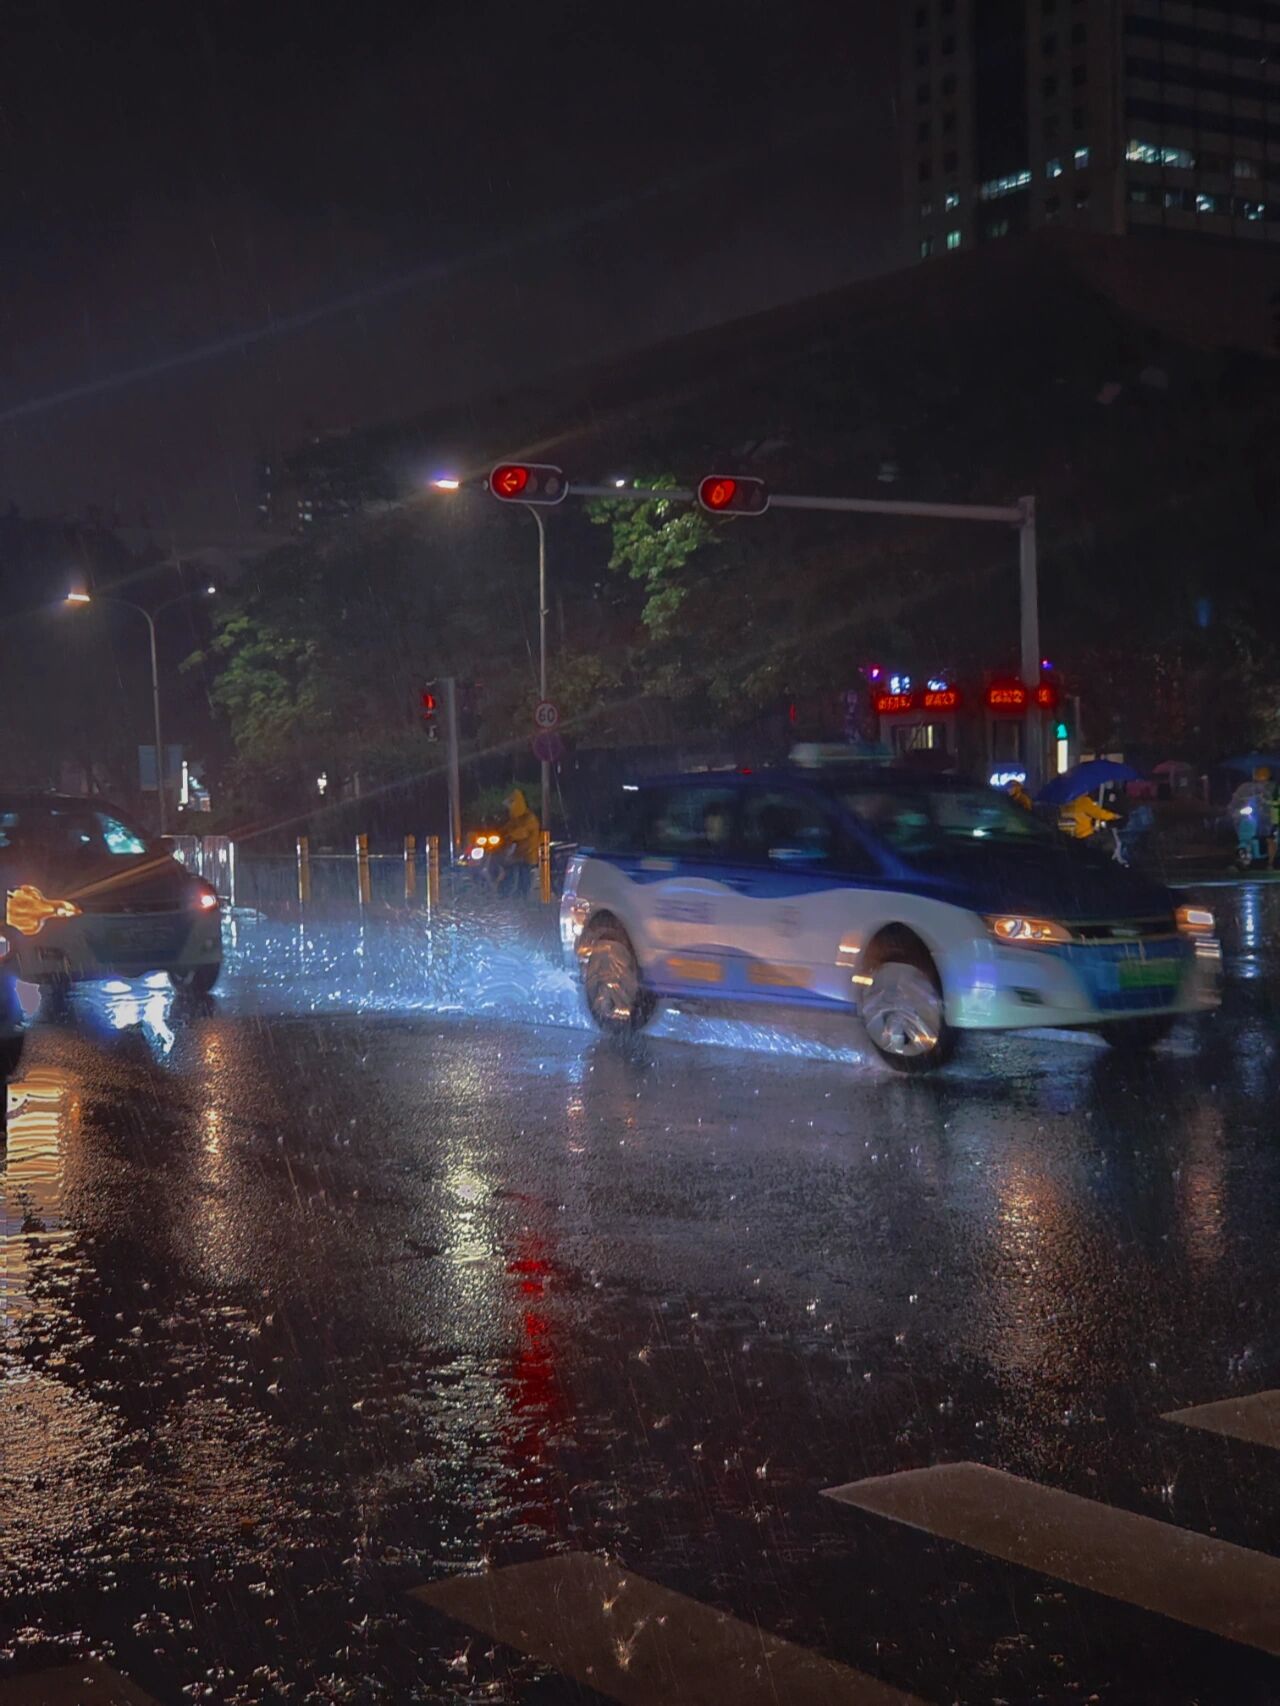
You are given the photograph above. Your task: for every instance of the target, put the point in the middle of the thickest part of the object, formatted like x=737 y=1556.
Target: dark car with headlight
x=87 y=896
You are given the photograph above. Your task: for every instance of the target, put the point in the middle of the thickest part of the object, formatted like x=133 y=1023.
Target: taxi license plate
x=1150 y=974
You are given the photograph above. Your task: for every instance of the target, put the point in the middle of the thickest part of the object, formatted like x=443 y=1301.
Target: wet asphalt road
x=378 y=1268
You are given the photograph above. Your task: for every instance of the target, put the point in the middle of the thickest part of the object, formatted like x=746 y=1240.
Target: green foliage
x=658 y=544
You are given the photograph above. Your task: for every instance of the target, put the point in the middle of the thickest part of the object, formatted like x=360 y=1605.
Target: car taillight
x=207 y=900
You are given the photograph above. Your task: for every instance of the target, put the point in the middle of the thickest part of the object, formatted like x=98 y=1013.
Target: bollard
x=433 y=871
x=410 y=867
x=362 y=869
x=304 y=871
x=544 y=867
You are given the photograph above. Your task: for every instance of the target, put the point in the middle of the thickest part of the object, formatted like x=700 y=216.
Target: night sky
x=226 y=225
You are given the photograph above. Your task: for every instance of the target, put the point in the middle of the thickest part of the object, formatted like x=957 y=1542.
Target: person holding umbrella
x=1079 y=815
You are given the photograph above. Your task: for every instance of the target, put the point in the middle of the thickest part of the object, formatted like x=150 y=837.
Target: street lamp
x=448 y=483
x=149 y=617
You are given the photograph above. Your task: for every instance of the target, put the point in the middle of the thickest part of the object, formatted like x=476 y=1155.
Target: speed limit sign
x=546 y=714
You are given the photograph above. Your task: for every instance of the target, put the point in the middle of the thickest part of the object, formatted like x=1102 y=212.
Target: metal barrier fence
x=326 y=882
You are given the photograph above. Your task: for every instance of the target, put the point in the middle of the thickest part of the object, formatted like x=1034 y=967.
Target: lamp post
x=449 y=483
x=149 y=617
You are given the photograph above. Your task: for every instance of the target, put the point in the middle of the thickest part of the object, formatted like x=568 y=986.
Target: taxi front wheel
x=616 y=998
x=902 y=1010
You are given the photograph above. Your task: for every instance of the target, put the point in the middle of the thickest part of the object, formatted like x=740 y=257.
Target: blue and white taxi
x=927 y=906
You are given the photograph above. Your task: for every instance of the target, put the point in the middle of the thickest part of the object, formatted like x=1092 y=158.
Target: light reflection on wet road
x=378 y=1264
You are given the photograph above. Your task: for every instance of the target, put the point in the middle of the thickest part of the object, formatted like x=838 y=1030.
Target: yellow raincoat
x=1083 y=818
x=522 y=828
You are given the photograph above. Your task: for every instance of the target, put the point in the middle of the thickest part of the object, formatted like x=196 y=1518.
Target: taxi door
x=693 y=872
x=809 y=888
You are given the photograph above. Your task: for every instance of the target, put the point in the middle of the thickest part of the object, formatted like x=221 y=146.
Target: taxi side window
x=783 y=826
x=699 y=823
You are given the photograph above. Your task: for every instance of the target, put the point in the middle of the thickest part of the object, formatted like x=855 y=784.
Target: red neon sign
x=1047 y=696
x=941 y=699
x=887 y=703
x=1007 y=696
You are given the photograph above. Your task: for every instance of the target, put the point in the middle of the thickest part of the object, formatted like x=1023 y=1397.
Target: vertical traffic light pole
x=545 y=813
x=455 y=778
x=1029 y=602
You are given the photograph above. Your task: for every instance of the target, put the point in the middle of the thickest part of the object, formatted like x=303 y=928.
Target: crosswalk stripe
x=1206 y=1583
x=87 y=1684
x=1256 y=1418
x=641 y=1644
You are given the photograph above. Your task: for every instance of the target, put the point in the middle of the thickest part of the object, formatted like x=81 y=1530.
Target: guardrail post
x=544 y=867
x=433 y=871
x=362 y=869
x=410 y=867
x=304 y=871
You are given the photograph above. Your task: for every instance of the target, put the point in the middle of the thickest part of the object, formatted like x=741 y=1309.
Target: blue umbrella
x=1252 y=761
x=1085 y=778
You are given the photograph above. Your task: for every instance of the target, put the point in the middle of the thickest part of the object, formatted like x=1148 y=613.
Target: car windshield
x=924 y=819
x=71 y=829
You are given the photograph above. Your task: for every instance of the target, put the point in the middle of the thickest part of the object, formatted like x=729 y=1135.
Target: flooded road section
x=331 y=1299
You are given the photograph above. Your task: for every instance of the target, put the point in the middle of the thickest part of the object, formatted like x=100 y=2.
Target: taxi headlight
x=1195 y=921
x=1027 y=932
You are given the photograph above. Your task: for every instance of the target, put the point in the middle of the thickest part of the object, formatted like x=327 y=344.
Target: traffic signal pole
x=536 y=484
x=1021 y=515
x=545 y=813
x=455 y=778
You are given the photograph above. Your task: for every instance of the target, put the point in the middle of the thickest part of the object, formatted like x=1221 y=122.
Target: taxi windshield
x=925 y=819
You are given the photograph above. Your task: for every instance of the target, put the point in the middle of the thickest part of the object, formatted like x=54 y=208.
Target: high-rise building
x=1106 y=115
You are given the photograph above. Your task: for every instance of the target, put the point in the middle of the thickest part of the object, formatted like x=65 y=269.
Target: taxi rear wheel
x=616 y=998
x=903 y=1012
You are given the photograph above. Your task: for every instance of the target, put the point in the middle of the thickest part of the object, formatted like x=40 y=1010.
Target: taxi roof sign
x=832 y=755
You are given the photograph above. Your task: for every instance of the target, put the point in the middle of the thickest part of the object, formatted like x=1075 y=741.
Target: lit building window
x=1081 y=158
x=1157 y=154
x=1252 y=209
x=999 y=229
x=953 y=239
x=1244 y=168
x=1053 y=169
x=926 y=248
x=1206 y=204
x=951 y=200
x=995 y=187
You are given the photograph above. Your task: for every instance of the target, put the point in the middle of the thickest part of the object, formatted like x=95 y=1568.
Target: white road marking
x=1256 y=1418
x=1207 y=1583
x=87 y=1684
x=642 y=1645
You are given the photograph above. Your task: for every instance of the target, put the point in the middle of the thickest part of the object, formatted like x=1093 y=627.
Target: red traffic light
x=733 y=494
x=528 y=483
